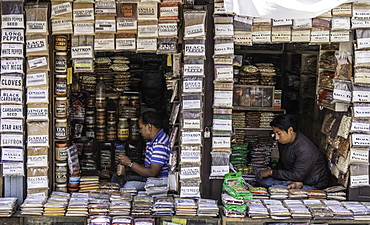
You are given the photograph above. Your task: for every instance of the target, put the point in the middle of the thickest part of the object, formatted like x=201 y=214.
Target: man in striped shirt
x=157 y=153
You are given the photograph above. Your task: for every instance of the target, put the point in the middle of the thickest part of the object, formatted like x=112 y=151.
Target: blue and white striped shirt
x=158 y=152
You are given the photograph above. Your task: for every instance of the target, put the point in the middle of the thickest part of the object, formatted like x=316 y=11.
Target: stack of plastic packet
x=207 y=207
x=7 y=206
x=142 y=204
x=185 y=207
x=276 y=209
x=98 y=203
x=316 y=194
x=338 y=210
x=33 y=205
x=146 y=221
x=259 y=193
x=256 y=209
x=297 y=209
x=78 y=204
x=278 y=193
x=238 y=156
x=124 y=220
x=89 y=183
x=156 y=186
x=98 y=220
x=336 y=192
x=56 y=204
x=297 y=194
x=260 y=155
x=318 y=209
x=233 y=207
x=163 y=206
x=108 y=186
x=359 y=211
x=120 y=204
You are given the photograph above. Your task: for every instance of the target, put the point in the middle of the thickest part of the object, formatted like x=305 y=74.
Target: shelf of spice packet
x=257 y=109
x=49 y=220
x=245 y=177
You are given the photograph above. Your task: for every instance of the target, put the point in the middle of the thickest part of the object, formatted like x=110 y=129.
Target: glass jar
x=123 y=103
x=100 y=133
x=100 y=117
x=60 y=106
x=134 y=129
x=123 y=129
x=61 y=153
x=135 y=102
x=100 y=103
x=112 y=103
x=60 y=62
x=90 y=118
x=90 y=131
x=60 y=42
x=61 y=129
x=61 y=187
x=111 y=131
x=61 y=84
x=90 y=102
x=111 y=116
x=61 y=172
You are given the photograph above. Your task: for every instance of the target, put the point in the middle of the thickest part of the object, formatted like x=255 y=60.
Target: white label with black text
x=191 y=137
x=224 y=29
x=37 y=62
x=195 y=31
x=342 y=95
x=146 y=44
x=191 y=124
x=193 y=69
x=12 y=140
x=37 y=113
x=361 y=156
x=12 y=154
x=61 y=26
x=105 y=25
x=190 y=156
x=11 y=82
x=221 y=142
x=60 y=9
x=123 y=25
x=11 y=125
x=189 y=172
x=36 y=45
x=11 y=96
x=12 y=21
x=11 y=111
x=40 y=95
x=360 y=126
x=195 y=50
x=147 y=31
x=360 y=139
x=83 y=28
x=189 y=192
x=105 y=7
x=82 y=52
x=83 y=14
x=37 y=182
x=12 y=35
x=219 y=124
x=12 y=50
x=320 y=36
x=125 y=43
x=361 y=111
x=104 y=44
x=36 y=27
x=12 y=65
x=360 y=180
x=167 y=29
x=192 y=86
x=38 y=140
x=35 y=79
x=219 y=170
x=13 y=169
x=37 y=161
x=191 y=104
x=224 y=49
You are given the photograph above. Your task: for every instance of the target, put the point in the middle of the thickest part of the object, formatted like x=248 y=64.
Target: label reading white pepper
x=11 y=111
x=12 y=50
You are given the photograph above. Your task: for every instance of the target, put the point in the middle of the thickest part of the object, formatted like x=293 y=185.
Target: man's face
x=284 y=137
x=144 y=129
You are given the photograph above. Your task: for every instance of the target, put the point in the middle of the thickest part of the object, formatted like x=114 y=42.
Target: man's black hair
x=284 y=121
x=153 y=118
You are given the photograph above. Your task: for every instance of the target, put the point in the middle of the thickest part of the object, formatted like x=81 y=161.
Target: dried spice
x=36 y=19
x=83 y=12
x=37 y=45
x=194 y=23
x=61 y=10
x=127 y=11
x=61 y=26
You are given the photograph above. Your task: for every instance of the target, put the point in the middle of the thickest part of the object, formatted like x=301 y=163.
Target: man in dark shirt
x=300 y=165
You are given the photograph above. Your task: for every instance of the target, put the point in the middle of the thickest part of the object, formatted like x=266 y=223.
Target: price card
x=189 y=172
x=360 y=24
x=362 y=57
x=38 y=140
x=282 y=22
x=341 y=23
x=61 y=26
x=13 y=169
x=192 y=84
x=11 y=81
x=361 y=140
x=190 y=156
x=224 y=72
x=11 y=140
x=12 y=155
x=38 y=95
x=191 y=137
x=82 y=52
x=167 y=29
x=221 y=142
x=191 y=104
x=12 y=50
x=11 y=111
x=361 y=13
x=224 y=49
x=105 y=7
x=37 y=182
x=37 y=161
x=223 y=99
x=359 y=156
x=11 y=125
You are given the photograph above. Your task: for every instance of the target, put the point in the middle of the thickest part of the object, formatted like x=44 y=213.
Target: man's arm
x=152 y=171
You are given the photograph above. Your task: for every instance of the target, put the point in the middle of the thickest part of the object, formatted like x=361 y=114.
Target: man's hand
x=124 y=160
x=264 y=173
x=295 y=185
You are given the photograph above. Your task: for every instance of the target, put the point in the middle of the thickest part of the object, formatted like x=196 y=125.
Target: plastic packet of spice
x=243 y=23
x=61 y=10
x=36 y=19
x=169 y=11
x=73 y=161
x=37 y=157
x=37 y=44
x=194 y=23
x=342 y=90
x=359 y=176
x=344 y=65
x=361 y=125
x=192 y=102
x=37 y=94
x=147 y=10
x=61 y=26
x=12 y=14
x=38 y=133
x=37 y=63
x=193 y=67
x=83 y=12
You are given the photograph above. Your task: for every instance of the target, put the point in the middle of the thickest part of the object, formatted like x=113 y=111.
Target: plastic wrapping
x=359 y=176
x=344 y=65
x=194 y=22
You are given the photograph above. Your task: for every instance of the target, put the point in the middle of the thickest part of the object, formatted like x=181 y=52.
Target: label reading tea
x=13 y=169
x=12 y=50
x=11 y=81
x=11 y=111
x=224 y=49
x=35 y=79
x=12 y=21
x=221 y=142
x=12 y=154
x=224 y=29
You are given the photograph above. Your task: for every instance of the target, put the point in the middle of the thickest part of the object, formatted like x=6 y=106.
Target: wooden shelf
x=252 y=128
